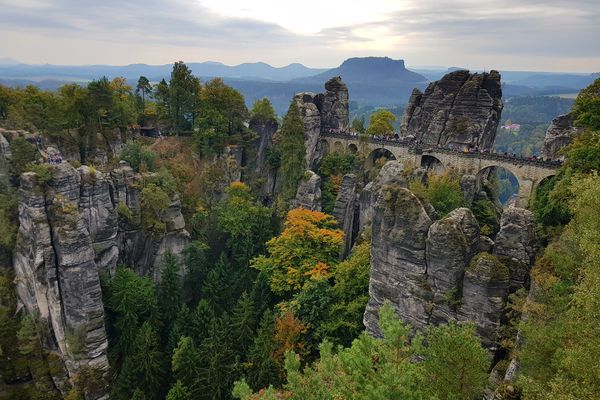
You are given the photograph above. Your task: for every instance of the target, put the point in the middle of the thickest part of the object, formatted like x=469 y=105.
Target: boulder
x=461 y=109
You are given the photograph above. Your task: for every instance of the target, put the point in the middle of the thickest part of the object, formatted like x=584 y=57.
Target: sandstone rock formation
x=514 y=244
x=323 y=111
x=559 y=134
x=345 y=210
x=56 y=273
x=461 y=109
x=5 y=156
x=71 y=229
x=435 y=271
x=398 y=266
x=308 y=194
x=256 y=156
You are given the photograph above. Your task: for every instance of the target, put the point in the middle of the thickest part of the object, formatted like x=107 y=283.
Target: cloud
x=513 y=34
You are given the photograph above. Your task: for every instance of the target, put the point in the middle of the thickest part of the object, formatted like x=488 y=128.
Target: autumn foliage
x=307 y=249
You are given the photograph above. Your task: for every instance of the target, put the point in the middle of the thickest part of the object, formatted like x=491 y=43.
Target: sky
x=534 y=35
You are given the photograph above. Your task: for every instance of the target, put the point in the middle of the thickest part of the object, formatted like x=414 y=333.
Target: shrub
x=138 y=156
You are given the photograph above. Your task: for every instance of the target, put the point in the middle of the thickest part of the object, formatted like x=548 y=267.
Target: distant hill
x=373 y=80
x=250 y=71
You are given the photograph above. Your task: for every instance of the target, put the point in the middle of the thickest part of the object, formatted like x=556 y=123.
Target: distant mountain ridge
x=209 y=69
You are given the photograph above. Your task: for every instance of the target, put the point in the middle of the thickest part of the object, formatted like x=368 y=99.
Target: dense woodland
x=260 y=306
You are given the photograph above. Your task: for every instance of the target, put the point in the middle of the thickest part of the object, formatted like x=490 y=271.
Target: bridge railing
x=421 y=149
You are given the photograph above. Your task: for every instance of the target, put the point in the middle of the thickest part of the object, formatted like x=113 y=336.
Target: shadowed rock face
x=308 y=194
x=345 y=211
x=460 y=109
x=559 y=134
x=322 y=111
x=69 y=232
x=435 y=271
x=257 y=165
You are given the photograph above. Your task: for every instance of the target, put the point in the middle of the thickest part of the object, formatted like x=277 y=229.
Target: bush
x=43 y=172
x=138 y=156
x=442 y=191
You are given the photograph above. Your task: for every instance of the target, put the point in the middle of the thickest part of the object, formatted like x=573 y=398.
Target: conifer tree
x=169 y=294
x=200 y=321
x=263 y=369
x=243 y=323
x=179 y=392
x=217 y=288
x=181 y=327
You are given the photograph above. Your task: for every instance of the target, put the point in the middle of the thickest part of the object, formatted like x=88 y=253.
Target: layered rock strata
x=73 y=227
x=322 y=112
x=308 y=194
x=461 y=109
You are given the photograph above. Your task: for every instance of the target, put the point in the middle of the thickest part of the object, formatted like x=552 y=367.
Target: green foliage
x=455 y=363
x=289 y=144
x=179 y=392
x=550 y=209
x=441 y=191
x=561 y=334
x=170 y=293
x=23 y=154
x=262 y=110
x=587 y=106
x=381 y=123
x=358 y=125
x=246 y=223
x=154 y=202
x=124 y=211
x=262 y=367
x=337 y=163
x=385 y=369
x=138 y=156
x=8 y=225
x=487 y=216
x=43 y=171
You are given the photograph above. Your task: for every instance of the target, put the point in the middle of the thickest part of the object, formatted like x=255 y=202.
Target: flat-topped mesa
x=461 y=109
x=323 y=112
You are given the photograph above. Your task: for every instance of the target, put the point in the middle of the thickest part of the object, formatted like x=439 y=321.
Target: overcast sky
x=543 y=35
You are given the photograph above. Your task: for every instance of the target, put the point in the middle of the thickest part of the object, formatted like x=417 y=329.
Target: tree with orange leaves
x=307 y=249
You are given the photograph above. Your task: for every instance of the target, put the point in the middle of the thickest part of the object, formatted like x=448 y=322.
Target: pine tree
x=179 y=392
x=185 y=365
x=263 y=369
x=261 y=294
x=138 y=394
x=181 y=327
x=217 y=363
x=197 y=269
x=243 y=323
x=169 y=294
x=145 y=362
x=201 y=320
x=217 y=286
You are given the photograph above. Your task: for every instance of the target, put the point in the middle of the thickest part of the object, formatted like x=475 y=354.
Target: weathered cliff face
x=5 y=155
x=345 y=211
x=559 y=134
x=514 y=244
x=256 y=156
x=308 y=194
x=461 y=109
x=70 y=231
x=435 y=271
x=56 y=273
x=398 y=267
x=323 y=111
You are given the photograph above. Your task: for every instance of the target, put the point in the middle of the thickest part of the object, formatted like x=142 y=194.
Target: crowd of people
x=54 y=159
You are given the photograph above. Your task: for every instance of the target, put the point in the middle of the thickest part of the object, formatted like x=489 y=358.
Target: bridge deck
x=420 y=149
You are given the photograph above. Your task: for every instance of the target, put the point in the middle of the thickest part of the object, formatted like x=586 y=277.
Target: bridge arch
x=338 y=147
x=323 y=147
x=507 y=182
x=352 y=148
x=433 y=164
x=376 y=159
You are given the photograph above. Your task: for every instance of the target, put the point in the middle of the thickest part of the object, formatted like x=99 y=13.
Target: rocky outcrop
x=5 y=156
x=514 y=244
x=308 y=194
x=451 y=244
x=256 y=155
x=392 y=172
x=323 y=111
x=56 y=273
x=398 y=264
x=81 y=223
x=484 y=294
x=435 y=271
x=461 y=109
x=468 y=186
x=345 y=210
x=559 y=134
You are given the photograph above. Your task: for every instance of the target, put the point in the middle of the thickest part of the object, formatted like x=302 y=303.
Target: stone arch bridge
x=529 y=173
